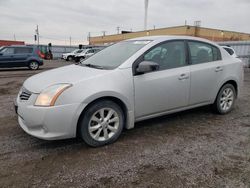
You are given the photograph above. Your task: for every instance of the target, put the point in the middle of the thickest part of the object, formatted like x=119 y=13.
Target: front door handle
x=183 y=76
x=218 y=69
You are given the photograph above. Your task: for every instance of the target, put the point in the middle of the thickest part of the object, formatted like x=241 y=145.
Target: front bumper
x=48 y=123
x=64 y=57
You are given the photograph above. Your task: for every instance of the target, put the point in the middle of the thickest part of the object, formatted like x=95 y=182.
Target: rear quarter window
x=230 y=51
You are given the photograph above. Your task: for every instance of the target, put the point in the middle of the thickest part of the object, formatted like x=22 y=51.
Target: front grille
x=24 y=95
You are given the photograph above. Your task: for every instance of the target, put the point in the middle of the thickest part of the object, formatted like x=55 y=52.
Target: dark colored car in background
x=20 y=56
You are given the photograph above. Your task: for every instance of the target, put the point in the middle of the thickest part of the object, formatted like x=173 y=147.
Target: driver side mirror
x=147 y=66
x=1 y=54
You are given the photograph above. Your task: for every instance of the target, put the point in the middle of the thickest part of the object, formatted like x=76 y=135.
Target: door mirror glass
x=147 y=66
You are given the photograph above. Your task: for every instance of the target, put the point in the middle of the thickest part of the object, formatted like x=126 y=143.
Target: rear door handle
x=218 y=69
x=183 y=76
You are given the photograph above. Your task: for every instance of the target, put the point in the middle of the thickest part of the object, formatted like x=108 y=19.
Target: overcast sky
x=60 y=19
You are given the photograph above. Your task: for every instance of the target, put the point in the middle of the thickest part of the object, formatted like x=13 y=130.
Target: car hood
x=68 y=74
x=81 y=54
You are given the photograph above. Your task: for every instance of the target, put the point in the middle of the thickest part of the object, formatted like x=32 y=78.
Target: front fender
x=126 y=102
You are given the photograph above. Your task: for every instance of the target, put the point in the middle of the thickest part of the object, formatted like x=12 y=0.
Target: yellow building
x=208 y=33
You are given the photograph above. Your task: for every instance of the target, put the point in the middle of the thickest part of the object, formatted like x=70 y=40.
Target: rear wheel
x=225 y=99
x=102 y=123
x=33 y=65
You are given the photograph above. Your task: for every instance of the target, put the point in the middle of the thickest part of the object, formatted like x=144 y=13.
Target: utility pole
x=70 y=41
x=118 y=30
x=88 y=38
x=14 y=37
x=37 y=34
x=103 y=33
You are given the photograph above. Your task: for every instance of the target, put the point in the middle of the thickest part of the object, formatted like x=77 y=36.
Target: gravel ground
x=195 y=148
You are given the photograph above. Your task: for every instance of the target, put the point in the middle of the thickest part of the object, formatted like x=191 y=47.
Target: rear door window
x=202 y=52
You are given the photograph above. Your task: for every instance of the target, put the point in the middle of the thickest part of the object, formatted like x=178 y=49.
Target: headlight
x=49 y=96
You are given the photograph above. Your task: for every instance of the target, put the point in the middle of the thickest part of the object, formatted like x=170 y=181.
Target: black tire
x=81 y=59
x=49 y=56
x=76 y=59
x=33 y=65
x=69 y=58
x=84 y=123
x=217 y=107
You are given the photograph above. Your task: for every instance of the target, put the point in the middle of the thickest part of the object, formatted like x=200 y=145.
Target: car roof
x=226 y=47
x=94 y=48
x=20 y=46
x=172 y=37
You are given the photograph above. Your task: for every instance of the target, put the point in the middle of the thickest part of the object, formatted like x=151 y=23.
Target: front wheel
x=70 y=58
x=102 y=123
x=33 y=65
x=225 y=99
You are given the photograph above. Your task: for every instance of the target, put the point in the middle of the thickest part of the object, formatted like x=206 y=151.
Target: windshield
x=82 y=51
x=74 y=51
x=113 y=56
x=78 y=51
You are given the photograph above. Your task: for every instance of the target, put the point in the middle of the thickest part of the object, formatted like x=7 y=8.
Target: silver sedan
x=127 y=82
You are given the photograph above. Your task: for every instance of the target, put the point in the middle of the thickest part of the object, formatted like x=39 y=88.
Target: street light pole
x=37 y=34
x=146 y=15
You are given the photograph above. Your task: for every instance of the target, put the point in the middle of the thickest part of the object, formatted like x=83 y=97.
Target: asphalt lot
x=195 y=148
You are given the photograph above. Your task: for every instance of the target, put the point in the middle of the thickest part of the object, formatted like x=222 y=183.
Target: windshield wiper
x=93 y=66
